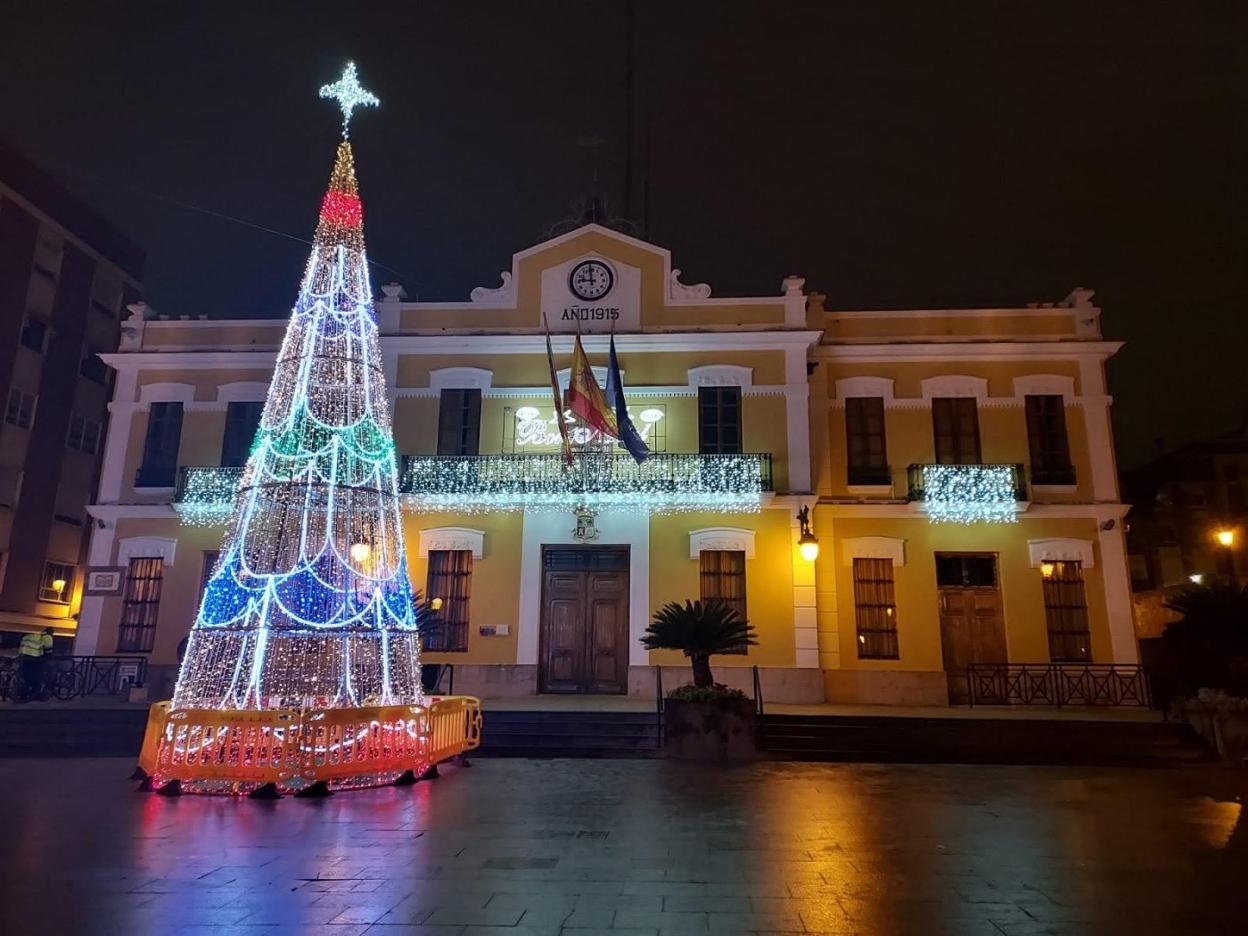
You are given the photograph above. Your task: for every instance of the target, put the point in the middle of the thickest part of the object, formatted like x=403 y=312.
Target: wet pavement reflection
x=539 y=848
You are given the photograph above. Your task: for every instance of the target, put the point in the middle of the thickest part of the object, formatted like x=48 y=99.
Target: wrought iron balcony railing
x=664 y=481
x=1058 y=684
x=967 y=493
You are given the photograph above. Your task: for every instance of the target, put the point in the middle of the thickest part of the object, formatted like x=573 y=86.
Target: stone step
x=981 y=741
x=514 y=733
x=71 y=732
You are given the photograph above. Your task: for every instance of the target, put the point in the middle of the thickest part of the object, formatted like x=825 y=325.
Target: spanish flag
x=554 y=388
x=585 y=397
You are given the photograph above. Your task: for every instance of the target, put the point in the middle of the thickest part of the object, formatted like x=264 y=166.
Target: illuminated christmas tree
x=310 y=603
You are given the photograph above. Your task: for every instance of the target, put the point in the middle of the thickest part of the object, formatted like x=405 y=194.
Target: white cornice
x=634 y=390
x=233 y=360
x=498 y=343
x=914 y=351
x=217 y=323
x=905 y=510
x=110 y=513
x=1028 y=311
x=535 y=343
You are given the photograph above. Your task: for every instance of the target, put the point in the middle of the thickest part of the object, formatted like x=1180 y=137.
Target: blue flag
x=630 y=438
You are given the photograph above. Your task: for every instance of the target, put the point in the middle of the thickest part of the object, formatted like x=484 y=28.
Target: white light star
x=350 y=94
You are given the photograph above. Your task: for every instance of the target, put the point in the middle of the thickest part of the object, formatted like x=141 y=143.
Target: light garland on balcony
x=310 y=604
x=206 y=497
x=668 y=483
x=969 y=493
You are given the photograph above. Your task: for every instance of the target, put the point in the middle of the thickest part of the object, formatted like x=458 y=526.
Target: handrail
x=443 y=670
x=1058 y=684
x=758 y=708
x=658 y=701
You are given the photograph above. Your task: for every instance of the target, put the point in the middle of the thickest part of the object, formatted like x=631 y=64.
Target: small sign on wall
x=105 y=580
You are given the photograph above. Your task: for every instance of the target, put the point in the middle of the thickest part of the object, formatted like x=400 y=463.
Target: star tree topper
x=350 y=94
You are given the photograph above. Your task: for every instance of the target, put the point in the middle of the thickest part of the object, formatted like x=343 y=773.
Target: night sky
x=895 y=157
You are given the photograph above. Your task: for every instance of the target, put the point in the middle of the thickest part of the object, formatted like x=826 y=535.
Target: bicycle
x=58 y=681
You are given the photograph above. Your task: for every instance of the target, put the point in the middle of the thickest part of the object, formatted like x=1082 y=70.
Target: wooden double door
x=584 y=627
x=972 y=625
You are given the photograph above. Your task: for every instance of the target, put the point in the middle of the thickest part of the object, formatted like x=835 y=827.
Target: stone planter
x=709 y=731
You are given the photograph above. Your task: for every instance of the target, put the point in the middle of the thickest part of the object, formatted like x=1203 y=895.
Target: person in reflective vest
x=32 y=652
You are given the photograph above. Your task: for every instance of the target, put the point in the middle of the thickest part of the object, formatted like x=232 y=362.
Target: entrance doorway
x=584 y=628
x=972 y=624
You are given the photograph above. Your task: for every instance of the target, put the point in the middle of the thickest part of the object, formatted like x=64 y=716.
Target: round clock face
x=591 y=279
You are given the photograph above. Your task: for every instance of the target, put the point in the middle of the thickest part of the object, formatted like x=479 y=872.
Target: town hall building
x=954 y=466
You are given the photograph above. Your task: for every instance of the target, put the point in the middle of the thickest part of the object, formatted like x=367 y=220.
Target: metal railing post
x=758 y=709
x=658 y=702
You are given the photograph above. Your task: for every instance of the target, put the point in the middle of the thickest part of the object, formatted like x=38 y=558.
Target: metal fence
x=66 y=677
x=1058 y=684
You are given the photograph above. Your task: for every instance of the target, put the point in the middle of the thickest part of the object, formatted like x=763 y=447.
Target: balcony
x=664 y=482
x=206 y=494
x=968 y=493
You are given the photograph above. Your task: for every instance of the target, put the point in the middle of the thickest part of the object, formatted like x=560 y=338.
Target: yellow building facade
x=956 y=467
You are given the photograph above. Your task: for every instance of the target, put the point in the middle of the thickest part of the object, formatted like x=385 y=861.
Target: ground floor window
x=1066 y=611
x=141 y=605
x=875 y=609
x=448 y=590
x=722 y=576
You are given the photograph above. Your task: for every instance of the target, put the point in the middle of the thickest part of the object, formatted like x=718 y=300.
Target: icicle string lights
x=970 y=493
x=310 y=604
x=665 y=483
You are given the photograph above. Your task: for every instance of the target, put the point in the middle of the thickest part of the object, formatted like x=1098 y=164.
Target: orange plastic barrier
x=454 y=727
x=230 y=751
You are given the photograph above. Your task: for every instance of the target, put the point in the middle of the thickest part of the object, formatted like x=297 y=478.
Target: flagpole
x=560 y=421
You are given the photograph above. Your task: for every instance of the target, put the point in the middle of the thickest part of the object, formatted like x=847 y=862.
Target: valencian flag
x=585 y=397
x=630 y=438
x=554 y=389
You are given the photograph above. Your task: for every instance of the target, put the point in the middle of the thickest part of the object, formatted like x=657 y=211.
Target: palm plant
x=699 y=629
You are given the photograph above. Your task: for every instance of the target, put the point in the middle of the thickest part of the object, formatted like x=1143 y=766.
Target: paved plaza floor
x=539 y=848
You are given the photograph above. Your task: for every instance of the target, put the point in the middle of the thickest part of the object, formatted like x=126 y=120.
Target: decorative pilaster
x=805 y=611
x=1116 y=574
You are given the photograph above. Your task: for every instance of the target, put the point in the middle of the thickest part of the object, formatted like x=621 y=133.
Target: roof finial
x=350 y=94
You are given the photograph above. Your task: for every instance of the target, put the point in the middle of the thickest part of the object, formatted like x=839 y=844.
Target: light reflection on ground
x=529 y=848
